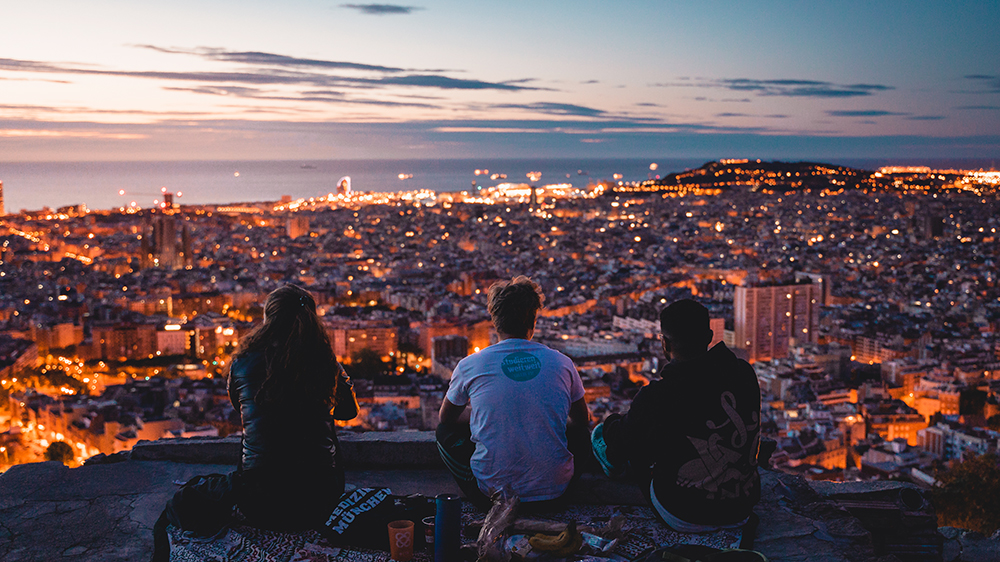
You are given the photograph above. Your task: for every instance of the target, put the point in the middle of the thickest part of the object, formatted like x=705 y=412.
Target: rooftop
x=105 y=511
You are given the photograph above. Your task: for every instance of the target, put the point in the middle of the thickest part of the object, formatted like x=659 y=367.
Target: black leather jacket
x=294 y=435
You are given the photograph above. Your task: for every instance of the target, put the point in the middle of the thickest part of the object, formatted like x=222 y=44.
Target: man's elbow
x=449 y=412
x=579 y=414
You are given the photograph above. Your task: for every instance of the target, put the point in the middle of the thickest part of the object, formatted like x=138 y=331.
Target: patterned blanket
x=246 y=544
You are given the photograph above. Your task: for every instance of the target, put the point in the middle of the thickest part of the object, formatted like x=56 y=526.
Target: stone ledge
x=104 y=512
x=404 y=449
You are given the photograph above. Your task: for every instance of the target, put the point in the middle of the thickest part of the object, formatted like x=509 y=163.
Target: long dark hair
x=297 y=352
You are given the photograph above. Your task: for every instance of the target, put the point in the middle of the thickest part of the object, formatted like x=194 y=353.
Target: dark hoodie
x=699 y=430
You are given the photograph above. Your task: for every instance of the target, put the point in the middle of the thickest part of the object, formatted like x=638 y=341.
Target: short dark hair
x=686 y=322
x=514 y=305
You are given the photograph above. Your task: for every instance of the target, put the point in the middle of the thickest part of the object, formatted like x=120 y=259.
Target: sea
x=99 y=185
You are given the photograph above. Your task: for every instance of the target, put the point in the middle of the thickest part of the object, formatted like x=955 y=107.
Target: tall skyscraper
x=1 y=199
x=159 y=246
x=165 y=241
x=771 y=319
x=297 y=225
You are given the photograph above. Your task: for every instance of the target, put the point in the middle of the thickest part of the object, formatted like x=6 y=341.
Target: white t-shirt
x=520 y=392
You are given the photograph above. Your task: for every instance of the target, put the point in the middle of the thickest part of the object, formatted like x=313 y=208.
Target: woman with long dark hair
x=288 y=387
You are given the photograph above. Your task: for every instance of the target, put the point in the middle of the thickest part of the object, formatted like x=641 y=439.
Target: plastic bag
x=501 y=516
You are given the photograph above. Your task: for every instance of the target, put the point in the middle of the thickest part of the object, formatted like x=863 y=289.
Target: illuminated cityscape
x=868 y=302
x=821 y=177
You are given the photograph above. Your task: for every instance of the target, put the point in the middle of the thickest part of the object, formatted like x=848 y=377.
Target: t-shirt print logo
x=521 y=366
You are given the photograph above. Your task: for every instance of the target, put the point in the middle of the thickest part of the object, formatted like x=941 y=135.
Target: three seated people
x=514 y=421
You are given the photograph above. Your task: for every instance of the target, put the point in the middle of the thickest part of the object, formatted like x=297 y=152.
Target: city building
x=771 y=319
x=297 y=225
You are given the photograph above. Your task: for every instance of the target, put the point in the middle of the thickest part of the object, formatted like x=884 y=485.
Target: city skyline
x=111 y=81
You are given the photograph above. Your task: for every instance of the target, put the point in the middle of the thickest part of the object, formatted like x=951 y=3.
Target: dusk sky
x=129 y=80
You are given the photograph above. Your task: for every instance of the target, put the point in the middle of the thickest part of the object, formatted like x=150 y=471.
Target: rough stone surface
x=898 y=515
x=105 y=512
x=797 y=524
x=99 y=513
x=969 y=546
x=410 y=449
x=832 y=489
x=197 y=450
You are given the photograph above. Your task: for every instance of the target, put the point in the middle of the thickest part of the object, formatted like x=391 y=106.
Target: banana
x=549 y=543
x=564 y=544
x=571 y=548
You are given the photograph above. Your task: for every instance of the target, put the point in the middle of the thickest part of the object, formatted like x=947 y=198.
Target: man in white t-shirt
x=521 y=398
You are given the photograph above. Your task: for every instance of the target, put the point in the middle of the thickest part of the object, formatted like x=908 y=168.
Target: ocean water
x=33 y=185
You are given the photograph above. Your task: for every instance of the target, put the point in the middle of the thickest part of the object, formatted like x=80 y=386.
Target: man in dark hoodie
x=694 y=433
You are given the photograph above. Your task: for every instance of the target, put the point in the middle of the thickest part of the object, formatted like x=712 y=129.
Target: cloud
x=269 y=59
x=615 y=125
x=444 y=82
x=925 y=117
x=862 y=113
x=784 y=87
x=984 y=84
x=237 y=91
x=272 y=76
x=27 y=66
x=983 y=107
x=324 y=96
x=270 y=139
x=772 y=116
x=50 y=134
x=555 y=109
x=80 y=110
x=381 y=9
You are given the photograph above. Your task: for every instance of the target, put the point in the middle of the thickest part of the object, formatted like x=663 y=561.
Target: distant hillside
x=726 y=175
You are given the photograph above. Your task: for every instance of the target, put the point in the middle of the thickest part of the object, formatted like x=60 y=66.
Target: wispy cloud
x=926 y=117
x=323 y=96
x=381 y=9
x=982 y=107
x=268 y=59
x=56 y=134
x=862 y=113
x=444 y=82
x=554 y=109
x=783 y=87
x=281 y=76
x=771 y=116
x=984 y=84
x=582 y=127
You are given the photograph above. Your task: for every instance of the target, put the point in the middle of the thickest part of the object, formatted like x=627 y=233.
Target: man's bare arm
x=451 y=413
x=579 y=414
